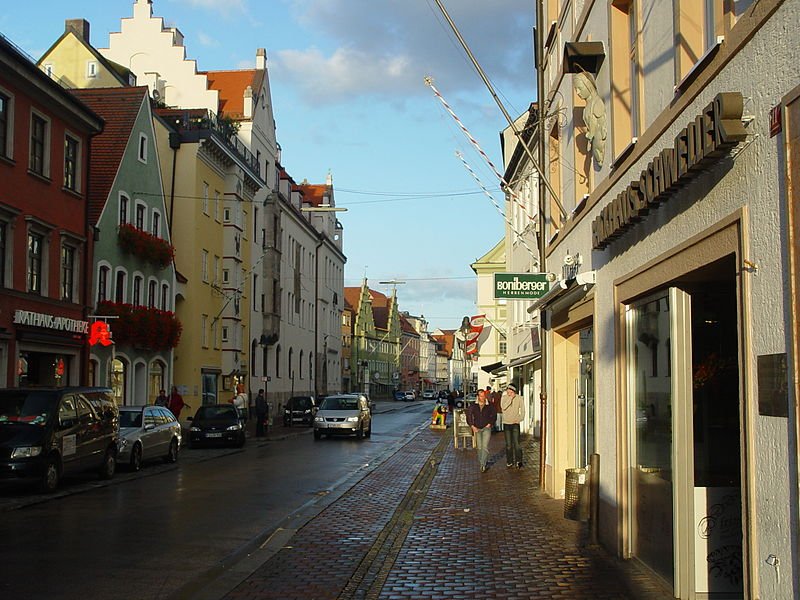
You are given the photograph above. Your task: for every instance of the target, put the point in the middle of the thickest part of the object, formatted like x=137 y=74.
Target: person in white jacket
x=511 y=405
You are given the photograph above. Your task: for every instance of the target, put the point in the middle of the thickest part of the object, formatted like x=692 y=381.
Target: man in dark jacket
x=481 y=416
x=261 y=413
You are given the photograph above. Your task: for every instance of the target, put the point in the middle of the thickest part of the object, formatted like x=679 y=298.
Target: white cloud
x=364 y=48
x=206 y=40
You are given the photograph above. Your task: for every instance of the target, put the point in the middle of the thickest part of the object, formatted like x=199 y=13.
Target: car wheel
x=109 y=466
x=317 y=434
x=172 y=455
x=136 y=457
x=51 y=476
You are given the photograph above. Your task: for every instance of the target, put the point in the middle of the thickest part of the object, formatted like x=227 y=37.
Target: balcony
x=146 y=246
x=195 y=123
x=141 y=327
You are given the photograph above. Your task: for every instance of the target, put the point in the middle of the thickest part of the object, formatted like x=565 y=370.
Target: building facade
x=45 y=242
x=668 y=331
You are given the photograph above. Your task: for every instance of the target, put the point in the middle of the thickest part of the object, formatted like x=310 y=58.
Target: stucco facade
x=678 y=224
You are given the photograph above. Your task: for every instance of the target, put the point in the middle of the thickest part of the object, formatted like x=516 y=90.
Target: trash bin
x=576 y=501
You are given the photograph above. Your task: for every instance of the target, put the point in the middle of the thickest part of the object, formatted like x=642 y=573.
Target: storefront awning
x=564 y=291
x=497 y=367
x=523 y=360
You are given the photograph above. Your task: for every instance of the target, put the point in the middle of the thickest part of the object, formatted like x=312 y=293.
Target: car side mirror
x=149 y=426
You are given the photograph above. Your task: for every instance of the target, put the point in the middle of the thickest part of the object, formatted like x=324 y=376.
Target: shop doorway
x=44 y=369
x=585 y=396
x=684 y=393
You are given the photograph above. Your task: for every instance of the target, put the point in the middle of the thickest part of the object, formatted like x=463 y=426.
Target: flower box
x=142 y=327
x=146 y=246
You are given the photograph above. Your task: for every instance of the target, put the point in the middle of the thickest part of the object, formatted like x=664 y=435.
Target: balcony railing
x=225 y=128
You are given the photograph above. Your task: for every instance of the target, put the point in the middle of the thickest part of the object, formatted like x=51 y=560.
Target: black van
x=48 y=432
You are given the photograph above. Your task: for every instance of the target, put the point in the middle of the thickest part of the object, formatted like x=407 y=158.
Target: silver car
x=344 y=414
x=147 y=432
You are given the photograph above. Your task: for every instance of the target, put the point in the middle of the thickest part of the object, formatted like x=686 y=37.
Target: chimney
x=247 y=103
x=261 y=59
x=79 y=27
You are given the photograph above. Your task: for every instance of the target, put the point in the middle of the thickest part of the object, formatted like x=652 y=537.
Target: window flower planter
x=142 y=327
x=146 y=246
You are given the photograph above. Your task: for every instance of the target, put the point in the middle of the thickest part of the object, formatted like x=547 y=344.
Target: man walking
x=261 y=413
x=511 y=405
x=481 y=416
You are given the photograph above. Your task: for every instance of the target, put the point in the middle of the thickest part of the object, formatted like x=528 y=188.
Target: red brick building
x=45 y=242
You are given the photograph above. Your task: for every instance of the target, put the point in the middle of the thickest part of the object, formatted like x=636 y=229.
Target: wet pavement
x=426 y=523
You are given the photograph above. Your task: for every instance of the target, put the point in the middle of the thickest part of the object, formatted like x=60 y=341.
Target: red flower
x=146 y=246
x=142 y=327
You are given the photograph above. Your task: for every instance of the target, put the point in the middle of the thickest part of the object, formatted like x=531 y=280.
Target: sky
x=348 y=92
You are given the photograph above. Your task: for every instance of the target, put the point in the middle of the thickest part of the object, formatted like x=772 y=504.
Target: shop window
x=6 y=125
x=71 y=163
x=119 y=373
x=625 y=75
x=39 y=144
x=67 y=273
x=35 y=262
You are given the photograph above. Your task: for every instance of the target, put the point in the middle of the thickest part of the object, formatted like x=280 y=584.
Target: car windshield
x=216 y=412
x=300 y=403
x=25 y=407
x=340 y=403
x=130 y=418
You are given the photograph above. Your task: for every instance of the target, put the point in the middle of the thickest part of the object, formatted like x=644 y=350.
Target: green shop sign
x=520 y=286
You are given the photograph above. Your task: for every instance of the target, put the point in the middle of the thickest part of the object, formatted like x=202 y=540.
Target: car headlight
x=287 y=411
x=308 y=412
x=236 y=427
x=26 y=452
x=319 y=420
x=352 y=419
x=194 y=429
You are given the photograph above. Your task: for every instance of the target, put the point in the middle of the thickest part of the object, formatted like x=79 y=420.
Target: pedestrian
x=240 y=402
x=162 y=399
x=512 y=416
x=176 y=403
x=494 y=400
x=451 y=401
x=261 y=413
x=481 y=416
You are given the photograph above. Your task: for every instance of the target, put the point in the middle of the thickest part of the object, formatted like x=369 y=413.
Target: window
x=225 y=275
x=151 y=294
x=226 y=215
x=91 y=69
x=224 y=333
x=142 y=147
x=67 y=273
x=35 y=256
x=38 y=145
x=140 y=211
x=123 y=209
x=625 y=74
x=156 y=231
x=5 y=124
x=204 y=329
x=165 y=297
x=204 y=265
x=102 y=284
x=48 y=69
x=216 y=270
x=205 y=198
x=503 y=347
x=216 y=205
x=71 y=163
x=137 y=291
x=119 y=287
x=278 y=361
x=254 y=292
x=3 y=252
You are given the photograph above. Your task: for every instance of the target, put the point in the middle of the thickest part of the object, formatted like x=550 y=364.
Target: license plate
x=214 y=435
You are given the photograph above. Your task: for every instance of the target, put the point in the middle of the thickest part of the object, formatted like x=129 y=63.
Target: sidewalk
x=427 y=524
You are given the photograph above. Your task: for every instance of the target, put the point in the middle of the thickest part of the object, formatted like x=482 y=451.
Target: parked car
x=410 y=395
x=429 y=395
x=216 y=424
x=399 y=395
x=344 y=414
x=46 y=433
x=299 y=410
x=147 y=432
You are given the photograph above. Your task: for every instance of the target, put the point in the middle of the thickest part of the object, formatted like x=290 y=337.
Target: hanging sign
x=520 y=286
x=100 y=333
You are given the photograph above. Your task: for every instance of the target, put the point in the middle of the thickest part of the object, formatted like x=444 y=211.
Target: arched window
x=151 y=294
x=291 y=367
x=119 y=377
x=157 y=372
x=137 y=290
x=102 y=283
x=300 y=364
x=278 y=360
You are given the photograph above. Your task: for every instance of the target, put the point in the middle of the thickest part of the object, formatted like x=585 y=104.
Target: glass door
x=585 y=396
